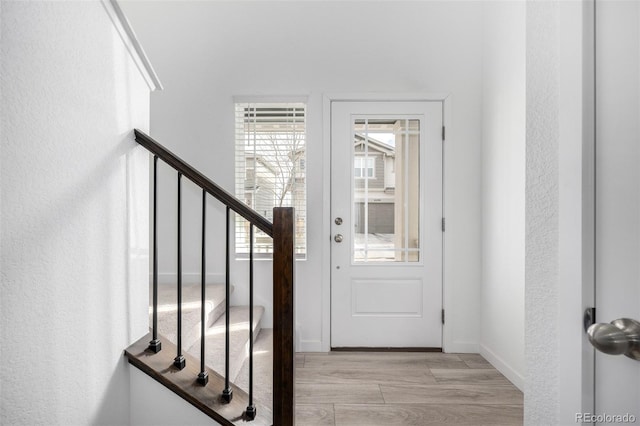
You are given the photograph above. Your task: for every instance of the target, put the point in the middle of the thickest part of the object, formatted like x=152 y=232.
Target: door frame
x=328 y=99
x=576 y=213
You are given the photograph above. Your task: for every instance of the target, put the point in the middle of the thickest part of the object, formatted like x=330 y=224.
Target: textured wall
x=542 y=201
x=74 y=248
x=503 y=186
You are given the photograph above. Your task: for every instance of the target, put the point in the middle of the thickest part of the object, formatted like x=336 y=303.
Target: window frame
x=296 y=172
x=369 y=158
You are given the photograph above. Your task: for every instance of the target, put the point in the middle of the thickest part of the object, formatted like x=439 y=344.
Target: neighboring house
x=387 y=183
x=374 y=166
x=261 y=188
x=268 y=185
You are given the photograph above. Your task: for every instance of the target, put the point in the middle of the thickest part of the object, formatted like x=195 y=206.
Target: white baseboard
x=461 y=348
x=514 y=377
x=310 y=346
x=317 y=346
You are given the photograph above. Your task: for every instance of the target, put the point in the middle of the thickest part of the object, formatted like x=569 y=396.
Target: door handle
x=621 y=336
x=338 y=238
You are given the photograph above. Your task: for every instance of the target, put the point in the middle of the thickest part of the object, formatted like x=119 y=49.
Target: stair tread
x=190 y=293
x=238 y=340
x=168 y=311
x=207 y=399
x=262 y=369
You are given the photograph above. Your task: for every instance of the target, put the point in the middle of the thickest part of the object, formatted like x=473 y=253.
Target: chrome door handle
x=338 y=238
x=621 y=336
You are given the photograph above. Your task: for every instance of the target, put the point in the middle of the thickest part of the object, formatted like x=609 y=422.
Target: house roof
x=375 y=144
x=260 y=160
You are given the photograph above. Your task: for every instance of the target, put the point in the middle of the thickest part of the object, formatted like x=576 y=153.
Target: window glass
x=270 y=168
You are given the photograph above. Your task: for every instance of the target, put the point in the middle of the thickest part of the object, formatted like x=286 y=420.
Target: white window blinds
x=270 y=168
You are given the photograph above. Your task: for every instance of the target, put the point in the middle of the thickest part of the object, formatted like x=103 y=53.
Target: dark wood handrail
x=203 y=182
x=282 y=230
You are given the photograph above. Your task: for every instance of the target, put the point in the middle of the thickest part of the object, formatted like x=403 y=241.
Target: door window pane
x=386 y=190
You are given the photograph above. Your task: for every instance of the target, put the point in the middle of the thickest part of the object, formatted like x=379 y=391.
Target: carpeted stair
x=215 y=336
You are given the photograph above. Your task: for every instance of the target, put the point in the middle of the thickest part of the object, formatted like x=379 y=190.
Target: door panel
x=386 y=203
x=617 y=195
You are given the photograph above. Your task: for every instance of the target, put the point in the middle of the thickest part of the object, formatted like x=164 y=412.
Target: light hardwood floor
x=408 y=389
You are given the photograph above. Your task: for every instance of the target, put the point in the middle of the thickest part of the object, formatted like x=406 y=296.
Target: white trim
x=463 y=348
x=512 y=375
x=244 y=99
x=310 y=346
x=128 y=36
x=448 y=345
x=448 y=342
x=325 y=301
x=385 y=97
x=576 y=217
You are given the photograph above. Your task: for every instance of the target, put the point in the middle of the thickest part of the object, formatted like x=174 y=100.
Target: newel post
x=283 y=316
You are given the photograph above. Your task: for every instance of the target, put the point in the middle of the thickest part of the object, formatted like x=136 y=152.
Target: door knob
x=338 y=238
x=621 y=336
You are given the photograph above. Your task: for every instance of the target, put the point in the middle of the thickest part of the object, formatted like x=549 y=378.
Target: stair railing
x=282 y=231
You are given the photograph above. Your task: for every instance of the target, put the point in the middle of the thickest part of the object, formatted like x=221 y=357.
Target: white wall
x=74 y=248
x=559 y=199
x=152 y=404
x=503 y=185
x=541 y=269
x=559 y=211
x=208 y=52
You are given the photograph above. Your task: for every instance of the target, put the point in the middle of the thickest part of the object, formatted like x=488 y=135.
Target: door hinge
x=443 y=316
x=443 y=133
x=443 y=224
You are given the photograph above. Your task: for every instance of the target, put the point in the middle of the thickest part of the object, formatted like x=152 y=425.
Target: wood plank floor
x=408 y=389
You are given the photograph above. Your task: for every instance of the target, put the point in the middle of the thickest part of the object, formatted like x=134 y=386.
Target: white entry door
x=617 y=379
x=386 y=206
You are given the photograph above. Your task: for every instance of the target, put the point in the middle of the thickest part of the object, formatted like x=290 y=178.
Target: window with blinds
x=270 y=169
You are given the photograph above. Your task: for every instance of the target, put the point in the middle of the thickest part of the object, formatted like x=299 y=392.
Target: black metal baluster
x=251 y=409
x=203 y=377
x=227 y=393
x=179 y=360
x=154 y=344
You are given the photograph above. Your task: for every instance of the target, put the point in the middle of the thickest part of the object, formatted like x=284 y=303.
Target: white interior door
x=617 y=197
x=386 y=205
